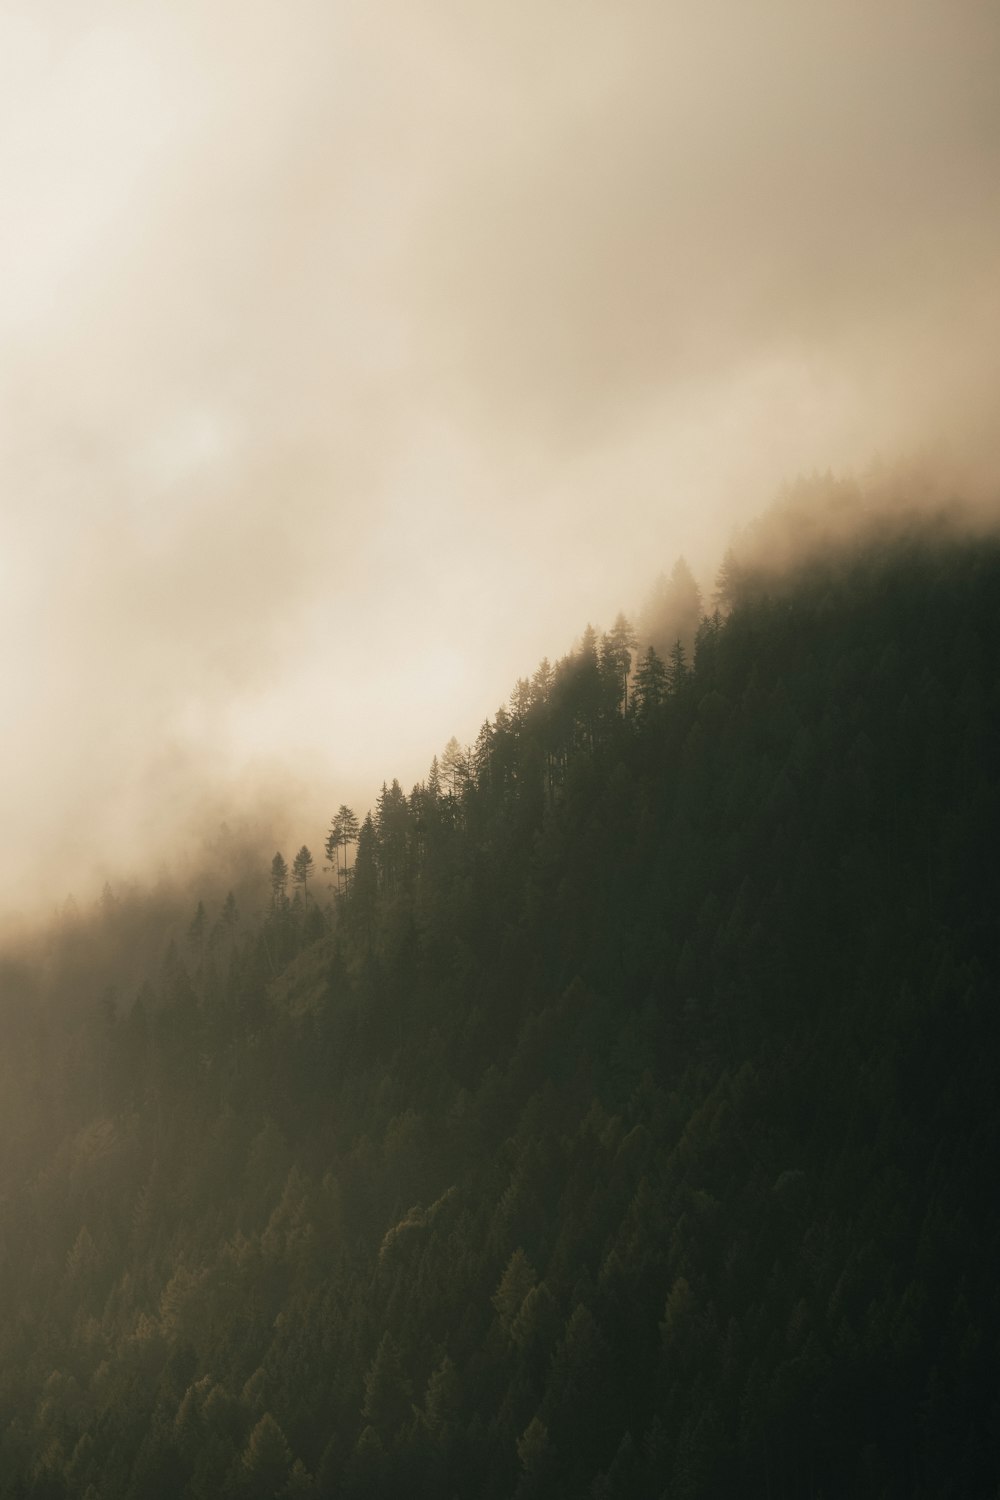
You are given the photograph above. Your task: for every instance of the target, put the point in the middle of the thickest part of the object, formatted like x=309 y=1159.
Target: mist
x=353 y=357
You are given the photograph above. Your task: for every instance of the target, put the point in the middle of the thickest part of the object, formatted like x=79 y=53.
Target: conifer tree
x=516 y=1282
x=230 y=913
x=364 y=881
x=651 y=685
x=387 y=1390
x=520 y=702
x=392 y=824
x=541 y=682
x=673 y=610
x=454 y=767
x=619 y=644
x=279 y=882
x=585 y=689
x=266 y=1459
x=301 y=866
x=678 y=674
x=196 y=932
x=343 y=833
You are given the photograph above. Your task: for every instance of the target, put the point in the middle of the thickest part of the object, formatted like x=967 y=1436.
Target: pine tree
x=387 y=1390
x=732 y=581
x=301 y=866
x=455 y=767
x=619 y=644
x=516 y=1282
x=196 y=932
x=279 y=883
x=541 y=682
x=678 y=673
x=266 y=1459
x=673 y=610
x=585 y=689
x=343 y=833
x=230 y=913
x=392 y=824
x=364 y=879
x=651 y=686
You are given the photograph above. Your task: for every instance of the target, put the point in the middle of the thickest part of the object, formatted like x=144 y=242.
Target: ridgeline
x=617 y=1118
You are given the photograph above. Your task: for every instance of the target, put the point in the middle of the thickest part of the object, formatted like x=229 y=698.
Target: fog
x=352 y=357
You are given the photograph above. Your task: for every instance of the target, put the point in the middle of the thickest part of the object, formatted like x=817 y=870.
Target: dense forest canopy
x=612 y=1114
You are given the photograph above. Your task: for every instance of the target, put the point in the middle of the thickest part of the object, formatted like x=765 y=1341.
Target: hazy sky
x=354 y=355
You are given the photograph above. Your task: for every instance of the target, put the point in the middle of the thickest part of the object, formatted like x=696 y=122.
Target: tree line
x=622 y=1127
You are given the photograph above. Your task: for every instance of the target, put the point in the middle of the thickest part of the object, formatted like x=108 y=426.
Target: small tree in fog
x=616 y=656
x=196 y=932
x=651 y=685
x=454 y=767
x=678 y=672
x=279 y=882
x=343 y=833
x=301 y=865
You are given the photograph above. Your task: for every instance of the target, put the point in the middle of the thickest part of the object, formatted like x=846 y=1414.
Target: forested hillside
x=615 y=1118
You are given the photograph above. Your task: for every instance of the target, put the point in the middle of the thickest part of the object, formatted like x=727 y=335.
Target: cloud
x=352 y=356
x=741 y=181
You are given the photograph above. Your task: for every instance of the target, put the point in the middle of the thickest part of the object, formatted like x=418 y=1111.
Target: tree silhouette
x=364 y=881
x=673 y=610
x=230 y=913
x=301 y=866
x=279 y=882
x=454 y=767
x=343 y=833
x=266 y=1459
x=678 y=674
x=388 y=1392
x=651 y=686
x=196 y=932
x=619 y=643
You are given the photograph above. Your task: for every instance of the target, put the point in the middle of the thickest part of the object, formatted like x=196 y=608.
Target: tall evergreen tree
x=673 y=610
x=651 y=685
x=301 y=868
x=678 y=674
x=454 y=767
x=343 y=833
x=279 y=882
x=620 y=642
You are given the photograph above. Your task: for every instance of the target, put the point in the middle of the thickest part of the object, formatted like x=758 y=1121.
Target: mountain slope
x=626 y=1129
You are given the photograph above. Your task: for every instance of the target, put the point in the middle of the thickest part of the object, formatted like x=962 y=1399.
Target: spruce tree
x=301 y=866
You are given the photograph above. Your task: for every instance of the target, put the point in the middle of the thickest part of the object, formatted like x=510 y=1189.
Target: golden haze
x=352 y=356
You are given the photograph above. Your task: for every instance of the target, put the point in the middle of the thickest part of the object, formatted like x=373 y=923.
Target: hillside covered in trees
x=614 y=1117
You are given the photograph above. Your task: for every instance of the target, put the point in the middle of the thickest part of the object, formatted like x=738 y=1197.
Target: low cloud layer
x=352 y=356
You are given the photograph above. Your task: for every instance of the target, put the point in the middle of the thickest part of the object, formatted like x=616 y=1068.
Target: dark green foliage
x=651 y=687
x=625 y=1126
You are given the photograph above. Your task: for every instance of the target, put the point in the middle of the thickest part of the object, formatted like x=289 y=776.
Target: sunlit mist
x=352 y=357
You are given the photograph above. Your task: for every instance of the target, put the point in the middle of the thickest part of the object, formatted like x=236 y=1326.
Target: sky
x=354 y=356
